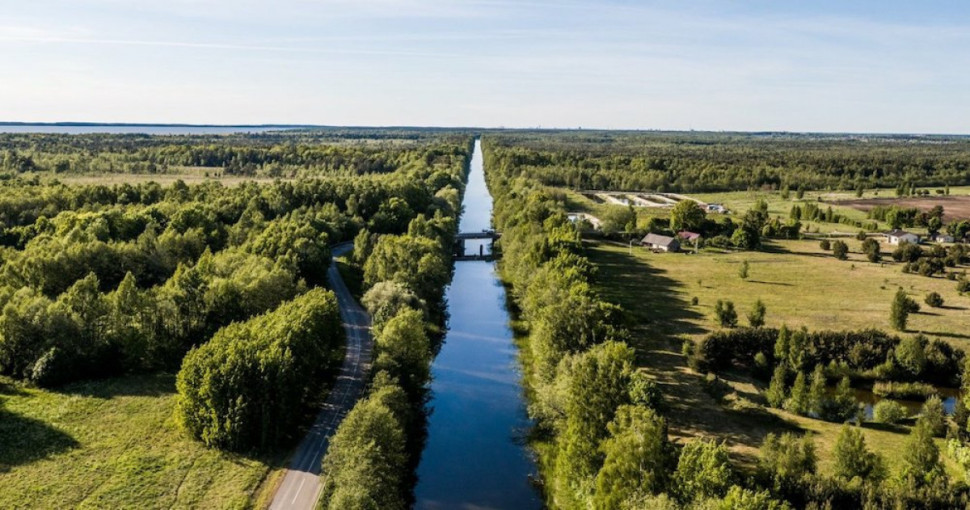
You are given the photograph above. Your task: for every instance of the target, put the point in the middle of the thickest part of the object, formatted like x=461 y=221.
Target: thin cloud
x=223 y=46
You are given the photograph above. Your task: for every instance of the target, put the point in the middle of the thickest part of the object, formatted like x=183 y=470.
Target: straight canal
x=475 y=456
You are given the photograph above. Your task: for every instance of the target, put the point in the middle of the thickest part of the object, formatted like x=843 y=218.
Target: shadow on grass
x=154 y=385
x=885 y=427
x=26 y=440
x=947 y=334
x=659 y=312
x=783 y=284
x=648 y=295
x=7 y=388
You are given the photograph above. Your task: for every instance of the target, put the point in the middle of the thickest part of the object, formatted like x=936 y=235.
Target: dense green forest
x=373 y=454
x=273 y=154
x=601 y=432
x=97 y=281
x=694 y=162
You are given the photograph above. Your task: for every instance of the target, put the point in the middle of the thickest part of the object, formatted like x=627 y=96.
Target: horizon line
x=455 y=127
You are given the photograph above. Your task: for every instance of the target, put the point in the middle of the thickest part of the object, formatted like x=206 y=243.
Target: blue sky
x=883 y=66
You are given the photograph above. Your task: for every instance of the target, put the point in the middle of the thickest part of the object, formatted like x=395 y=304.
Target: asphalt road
x=301 y=485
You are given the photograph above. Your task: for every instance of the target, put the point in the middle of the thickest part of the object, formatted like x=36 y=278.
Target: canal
x=475 y=456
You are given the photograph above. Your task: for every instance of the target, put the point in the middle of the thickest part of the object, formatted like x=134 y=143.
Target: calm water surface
x=475 y=457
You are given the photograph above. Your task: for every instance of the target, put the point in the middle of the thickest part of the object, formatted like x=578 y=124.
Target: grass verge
x=115 y=444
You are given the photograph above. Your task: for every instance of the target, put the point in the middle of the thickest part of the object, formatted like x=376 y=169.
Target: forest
x=226 y=286
x=696 y=162
x=291 y=153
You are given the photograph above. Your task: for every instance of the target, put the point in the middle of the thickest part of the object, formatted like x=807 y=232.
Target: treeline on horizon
x=711 y=162
x=291 y=153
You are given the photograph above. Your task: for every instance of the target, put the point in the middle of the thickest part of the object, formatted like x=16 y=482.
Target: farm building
x=897 y=236
x=658 y=242
x=943 y=238
x=692 y=237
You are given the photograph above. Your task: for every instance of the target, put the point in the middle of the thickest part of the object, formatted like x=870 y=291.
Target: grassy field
x=738 y=202
x=800 y=285
x=114 y=444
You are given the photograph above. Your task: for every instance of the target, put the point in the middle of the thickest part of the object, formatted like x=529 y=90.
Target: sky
x=753 y=65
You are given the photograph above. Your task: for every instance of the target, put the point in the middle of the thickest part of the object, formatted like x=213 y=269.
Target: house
x=897 y=236
x=658 y=242
x=691 y=237
x=943 y=238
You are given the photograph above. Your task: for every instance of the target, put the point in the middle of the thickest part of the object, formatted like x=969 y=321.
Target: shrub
x=963 y=285
x=840 y=250
x=933 y=415
x=853 y=459
x=911 y=354
x=825 y=244
x=756 y=318
x=904 y=390
x=775 y=394
x=703 y=471
x=726 y=315
x=872 y=250
x=687 y=347
x=899 y=311
x=799 y=402
x=907 y=252
x=934 y=299
x=921 y=464
x=842 y=406
x=889 y=412
x=645 y=392
x=786 y=460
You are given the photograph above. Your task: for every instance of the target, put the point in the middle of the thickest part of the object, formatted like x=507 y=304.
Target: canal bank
x=475 y=455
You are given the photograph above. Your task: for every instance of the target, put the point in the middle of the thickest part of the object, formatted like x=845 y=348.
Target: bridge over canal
x=485 y=249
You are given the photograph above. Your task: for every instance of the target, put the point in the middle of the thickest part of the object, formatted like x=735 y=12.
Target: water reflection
x=474 y=457
x=913 y=407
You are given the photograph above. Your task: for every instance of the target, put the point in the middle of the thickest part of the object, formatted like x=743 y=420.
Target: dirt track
x=954 y=207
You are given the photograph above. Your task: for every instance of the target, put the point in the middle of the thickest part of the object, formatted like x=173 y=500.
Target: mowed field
x=954 y=207
x=800 y=286
x=114 y=444
x=843 y=202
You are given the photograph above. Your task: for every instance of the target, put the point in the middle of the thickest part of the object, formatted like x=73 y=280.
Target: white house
x=897 y=236
x=943 y=238
x=658 y=242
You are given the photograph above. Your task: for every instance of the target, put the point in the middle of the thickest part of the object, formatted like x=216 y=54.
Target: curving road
x=301 y=486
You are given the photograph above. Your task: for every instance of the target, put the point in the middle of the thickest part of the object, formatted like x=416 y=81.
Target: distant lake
x=133 y=129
